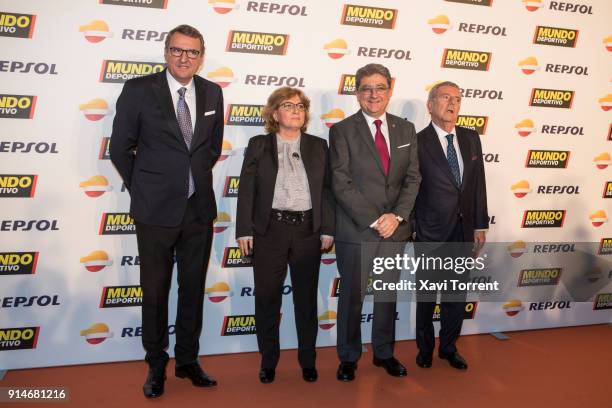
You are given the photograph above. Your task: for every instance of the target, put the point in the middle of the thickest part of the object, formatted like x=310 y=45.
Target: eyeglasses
x=178 y=52
x=372 y=91
x=449 y=97
x=290 y=107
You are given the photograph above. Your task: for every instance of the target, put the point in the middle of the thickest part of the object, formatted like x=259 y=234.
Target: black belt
x=291 y=217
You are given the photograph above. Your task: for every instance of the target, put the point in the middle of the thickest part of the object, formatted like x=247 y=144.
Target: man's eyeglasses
x=178 y=52
x=290 y=107
x=373 y=91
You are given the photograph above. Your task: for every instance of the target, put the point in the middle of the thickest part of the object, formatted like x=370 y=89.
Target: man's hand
x=480 y=237
x=246 y=246
x=386 y=225
x=326 y=242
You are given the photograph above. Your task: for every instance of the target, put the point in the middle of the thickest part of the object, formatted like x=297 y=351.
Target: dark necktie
x=184 y=121
x=381 y=146
x=451 y=156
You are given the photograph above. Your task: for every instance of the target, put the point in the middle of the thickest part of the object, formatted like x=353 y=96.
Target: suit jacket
x=362 y=191
x=258 y=179
x=441 y=203
x=150 y=154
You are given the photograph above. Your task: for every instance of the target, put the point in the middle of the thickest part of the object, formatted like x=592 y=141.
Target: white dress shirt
x=190 y=97
x=384 y=128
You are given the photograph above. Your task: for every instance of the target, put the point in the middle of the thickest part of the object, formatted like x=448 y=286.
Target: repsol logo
x=607 y=192
x=17 y=25
x=605 y=246
x=232 y=183
x=365 y=16
x=30 y=147
x=464 y=59
x=547 y=159
x=562 y=130
x=17 y=185
x=250 y=291
x=603 y=301
x=121 y=296
x=17 y=106
x=550 y=305
x=370 y=52
x=273 y=80
x=143 y=35
x=543 y=219
x=18 y=263
x=539 y=277
x=474 y=93
x=559 y=37
x=244 y=115
x=275 y=8
x=553 y=248
x=137 y=331
x=570 y=7
x=238 y=325
x=117 y=72
x=116 y=224
x=468 y=312
x=477 y=123
x=567 y=69
x=104 y=153
x=555 y=189
x=551 y=98
x=473 y=2
x=483 y=29
x=158 y=4
x=257 y=43
x=348 y=85
x=23 y=301
x=490 y=157
x=19 y=338
x=41 y=68
x=232 y=258
x=29 y=225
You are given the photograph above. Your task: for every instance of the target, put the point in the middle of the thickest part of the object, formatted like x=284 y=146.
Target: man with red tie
x=375 y=180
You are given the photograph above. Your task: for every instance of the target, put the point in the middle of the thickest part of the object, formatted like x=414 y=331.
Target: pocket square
x=209 y=113
x=404 y=145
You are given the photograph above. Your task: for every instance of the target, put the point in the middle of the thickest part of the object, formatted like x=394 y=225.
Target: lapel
x=306 y=153
x=200 y=90
x=436 y=151
x=466 y=154
x=363 y=130
x=162 y=93
x=394 y=141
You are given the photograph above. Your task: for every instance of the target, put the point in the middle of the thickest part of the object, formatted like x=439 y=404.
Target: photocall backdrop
x=536 y=84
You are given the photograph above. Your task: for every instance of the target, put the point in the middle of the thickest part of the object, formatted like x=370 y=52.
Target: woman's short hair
x=274 y=102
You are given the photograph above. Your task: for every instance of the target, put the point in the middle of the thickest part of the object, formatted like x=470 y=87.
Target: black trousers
x=354 y=279
x=299 y=247
x=452 y=303
x=157 y=246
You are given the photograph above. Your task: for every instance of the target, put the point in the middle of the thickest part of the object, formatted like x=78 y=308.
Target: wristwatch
x=399 y=219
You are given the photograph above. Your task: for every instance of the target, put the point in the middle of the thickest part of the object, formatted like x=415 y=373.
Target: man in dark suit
x=451 y=207
x=375 y=179
x=167 y=136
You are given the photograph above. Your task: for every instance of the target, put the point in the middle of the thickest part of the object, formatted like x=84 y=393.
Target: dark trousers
x=353 y=285
x=191 y=242
x=299 y=247
x=452 y=304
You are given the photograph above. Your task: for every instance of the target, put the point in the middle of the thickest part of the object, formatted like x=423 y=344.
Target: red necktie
x=381 y=146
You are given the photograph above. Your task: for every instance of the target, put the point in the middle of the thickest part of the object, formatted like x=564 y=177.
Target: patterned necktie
x=451 y=156
x=381 y=146
x=184 y=121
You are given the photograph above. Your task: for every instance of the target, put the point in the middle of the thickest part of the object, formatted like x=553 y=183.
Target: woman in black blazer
x=285 y=216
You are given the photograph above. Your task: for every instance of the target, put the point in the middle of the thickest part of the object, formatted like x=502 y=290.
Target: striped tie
x=451 y=156
x=184 y=121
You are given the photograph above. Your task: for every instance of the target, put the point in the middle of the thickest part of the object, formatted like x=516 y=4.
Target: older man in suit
x=167 y=136
x=375 y=179
x=451 y=208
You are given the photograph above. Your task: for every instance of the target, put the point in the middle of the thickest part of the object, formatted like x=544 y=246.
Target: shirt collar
x=175 y=85
x=371 y=119
x=441 y=132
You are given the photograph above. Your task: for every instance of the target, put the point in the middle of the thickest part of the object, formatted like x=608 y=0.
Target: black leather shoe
x=346 y=371
x=455 y=360
x=310 y=374
x=423 y=360
x=266 y=375
x=195 y=373
x=154 y=385
x=392 y=366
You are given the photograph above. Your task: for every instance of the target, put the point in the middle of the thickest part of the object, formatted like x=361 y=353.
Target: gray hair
x=433 y=92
